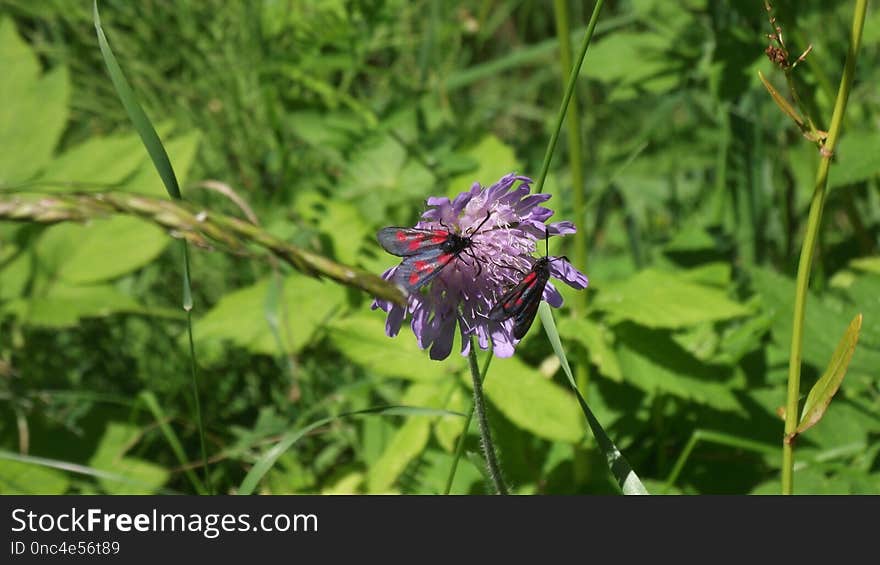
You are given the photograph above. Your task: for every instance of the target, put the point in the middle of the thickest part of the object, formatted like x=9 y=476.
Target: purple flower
x=470 y=285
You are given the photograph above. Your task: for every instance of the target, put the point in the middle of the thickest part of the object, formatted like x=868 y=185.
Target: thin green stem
x=573 y=126
x=485 y=434
x=579 y=240
x=188 y=305
x=814 y=221
x=459 y=448
x=569 y=90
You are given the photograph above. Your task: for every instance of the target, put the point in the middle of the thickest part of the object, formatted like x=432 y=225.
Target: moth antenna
x=486 y=219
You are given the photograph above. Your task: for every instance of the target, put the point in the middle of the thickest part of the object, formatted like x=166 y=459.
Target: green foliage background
x=333 y=118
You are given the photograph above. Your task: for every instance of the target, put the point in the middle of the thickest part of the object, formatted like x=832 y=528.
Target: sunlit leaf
x=532 y=402
x=658 y=299
x=362 y=339
x=146 y=477
x=404 y=446
x=33 y=111
x=826 y=387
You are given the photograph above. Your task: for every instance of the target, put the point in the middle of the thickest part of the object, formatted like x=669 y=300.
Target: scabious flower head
x=470 y=285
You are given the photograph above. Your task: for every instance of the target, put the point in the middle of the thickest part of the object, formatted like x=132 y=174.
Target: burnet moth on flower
x=426 y=251
x=521 y=302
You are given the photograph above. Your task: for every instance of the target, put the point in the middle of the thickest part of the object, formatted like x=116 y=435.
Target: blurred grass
x=335 y=118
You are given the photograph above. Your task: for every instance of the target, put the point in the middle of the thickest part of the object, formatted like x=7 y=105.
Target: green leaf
x=146 y=478
x=102 y=249
x=406 y=444
x=825 y=317
x=362 y=339
x=826 y=387
x=63 y=305
x=96 y=162
x=665 y=300
x=855 y=158
x=18 y=477
x=495 y=159
x=596 y=340
x=14 y=274
x=162 y=420
x=33 y=111
x=265 y=462
x=869 y=264
x=653 y=361
x=634 y=62
x=380 y=173
x=532 y=402
x=240 y=315
x=447 y=430
x=328 y=216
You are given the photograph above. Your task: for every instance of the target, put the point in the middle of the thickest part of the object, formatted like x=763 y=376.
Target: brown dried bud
x=777 y=56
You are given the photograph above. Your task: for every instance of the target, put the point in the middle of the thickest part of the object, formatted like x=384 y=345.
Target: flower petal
x=443 y=340
x=502 y=339
x=561 y=228
x=565 y=271
x=552 y=296
x=394 y=320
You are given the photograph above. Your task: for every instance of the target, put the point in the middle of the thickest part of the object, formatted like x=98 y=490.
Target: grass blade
x=159 y=156
x=141 y=122
x=626 y=478
x=268 y=459
x=152 y=404
x=75 y=468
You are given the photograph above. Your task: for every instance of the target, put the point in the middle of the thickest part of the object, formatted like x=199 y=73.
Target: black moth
x=425 y=251
x=521 y=302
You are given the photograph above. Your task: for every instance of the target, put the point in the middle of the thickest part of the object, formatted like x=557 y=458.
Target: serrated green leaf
x=34 y=108
x=826 y=387
x=532 y=402
x=657 y=299
x=406 y=444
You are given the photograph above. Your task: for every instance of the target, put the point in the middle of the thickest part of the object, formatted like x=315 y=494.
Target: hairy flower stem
x=814 y=221
x=459 y=449
x=483 y=422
